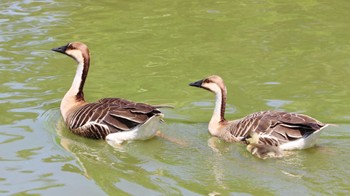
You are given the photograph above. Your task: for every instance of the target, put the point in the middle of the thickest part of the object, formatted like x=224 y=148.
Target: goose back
x=109 y=115
x=275 y=127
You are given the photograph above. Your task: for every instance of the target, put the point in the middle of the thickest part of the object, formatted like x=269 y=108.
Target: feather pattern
x=273 y=129
x=109 y=116
x=106 y=116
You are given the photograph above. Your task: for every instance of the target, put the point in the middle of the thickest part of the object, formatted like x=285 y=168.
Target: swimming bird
x=262 y=151
x=114 y=119
x=278 y=129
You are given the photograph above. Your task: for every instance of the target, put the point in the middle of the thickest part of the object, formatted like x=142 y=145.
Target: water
x=291 y=56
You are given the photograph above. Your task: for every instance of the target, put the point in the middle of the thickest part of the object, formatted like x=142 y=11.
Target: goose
x=277 y=129
x=262 y=151
x=114 y=119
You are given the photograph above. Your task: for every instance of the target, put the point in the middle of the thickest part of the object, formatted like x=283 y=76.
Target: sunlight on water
x=290 y=56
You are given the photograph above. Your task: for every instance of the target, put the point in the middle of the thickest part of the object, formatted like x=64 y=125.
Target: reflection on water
x=290 y=56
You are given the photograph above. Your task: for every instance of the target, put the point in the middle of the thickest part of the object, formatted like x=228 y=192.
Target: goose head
x=216 y=85
x=80 y=53
x=77 y=50
x=212 y=83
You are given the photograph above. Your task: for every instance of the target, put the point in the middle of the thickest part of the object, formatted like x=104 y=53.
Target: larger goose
x=113 y=119
x=275 y=130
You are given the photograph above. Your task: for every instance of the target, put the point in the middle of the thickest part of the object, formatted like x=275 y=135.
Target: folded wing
x=109 y=115
x=275 y=127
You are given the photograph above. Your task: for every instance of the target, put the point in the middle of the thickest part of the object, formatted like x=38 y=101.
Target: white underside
x=302 y=143
x=142 y=132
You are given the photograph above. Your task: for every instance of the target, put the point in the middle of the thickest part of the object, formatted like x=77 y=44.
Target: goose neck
x=219 y=110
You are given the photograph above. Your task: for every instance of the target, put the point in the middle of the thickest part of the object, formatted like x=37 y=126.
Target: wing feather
x=275 y=127
x=109 y=115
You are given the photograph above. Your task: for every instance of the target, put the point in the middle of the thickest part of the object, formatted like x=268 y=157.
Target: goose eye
x=207 y=81
x=70 y=46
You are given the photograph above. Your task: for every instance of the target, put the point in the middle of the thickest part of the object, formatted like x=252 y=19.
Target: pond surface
x=272 y=54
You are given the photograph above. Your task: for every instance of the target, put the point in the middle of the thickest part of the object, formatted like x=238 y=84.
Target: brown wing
x=97 y=120
x=135 y=107
x=277 y=127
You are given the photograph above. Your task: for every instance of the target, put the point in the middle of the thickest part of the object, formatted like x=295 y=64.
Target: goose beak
x=197 y=83
x=61 y=49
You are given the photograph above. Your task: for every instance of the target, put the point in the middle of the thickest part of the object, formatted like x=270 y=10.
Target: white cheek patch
x=213 y=87
x=76 y=54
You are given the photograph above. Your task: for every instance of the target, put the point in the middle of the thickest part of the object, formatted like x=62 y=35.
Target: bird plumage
x=283 y=130
x=109 y=115
x=106 y=116
x=275 y=128
x=262 y=151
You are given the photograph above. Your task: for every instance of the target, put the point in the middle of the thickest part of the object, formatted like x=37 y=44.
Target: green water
x=292 y=56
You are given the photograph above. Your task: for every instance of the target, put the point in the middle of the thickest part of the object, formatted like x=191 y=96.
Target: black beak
x=197 y=84
x=61 y=49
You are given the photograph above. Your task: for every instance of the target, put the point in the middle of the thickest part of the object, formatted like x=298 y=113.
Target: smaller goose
x=280 y=130
x=113 y=119
x=262 y=151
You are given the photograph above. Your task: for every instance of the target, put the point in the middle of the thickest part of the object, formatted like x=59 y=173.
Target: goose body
x=113 y=119
x=276 y=129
